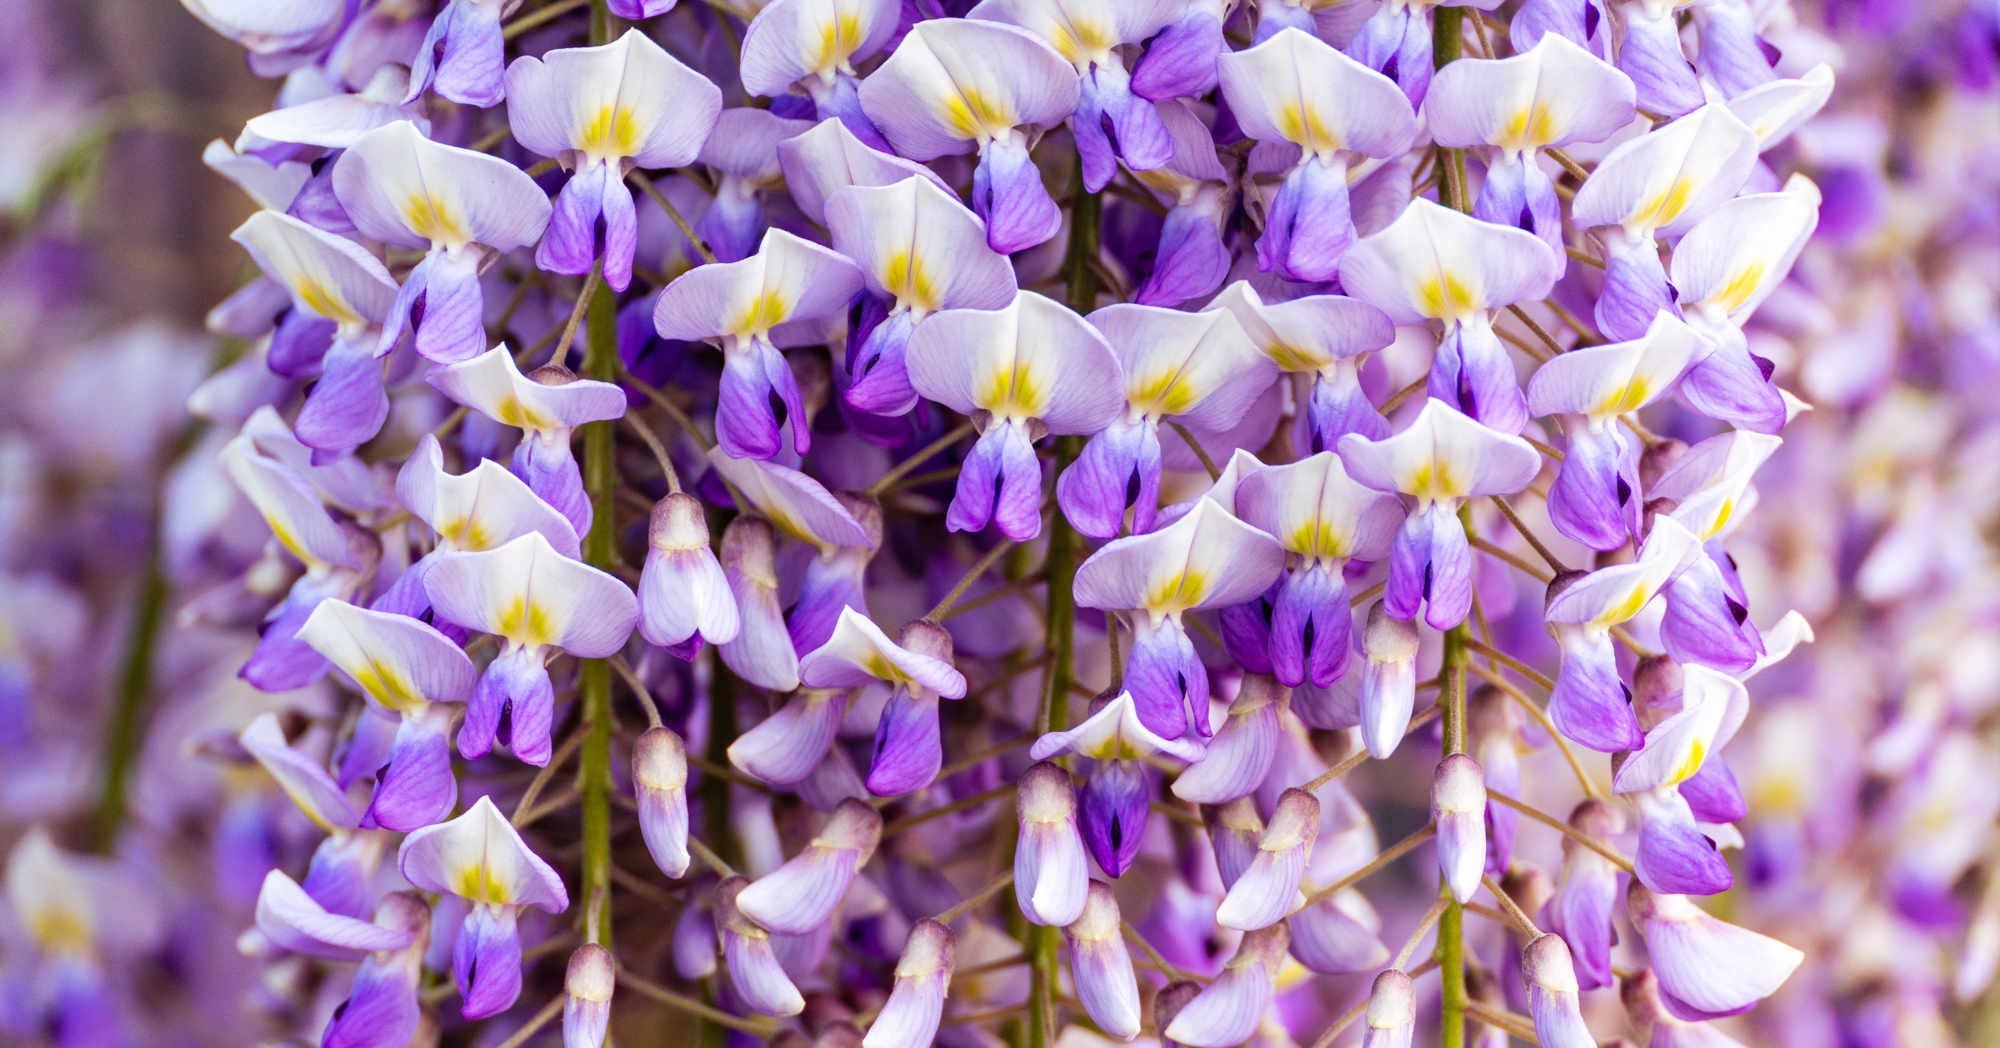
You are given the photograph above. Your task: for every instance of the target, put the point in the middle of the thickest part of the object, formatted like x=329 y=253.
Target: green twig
x=600 y=550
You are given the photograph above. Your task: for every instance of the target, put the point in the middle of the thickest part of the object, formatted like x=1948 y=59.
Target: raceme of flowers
x=901 y=374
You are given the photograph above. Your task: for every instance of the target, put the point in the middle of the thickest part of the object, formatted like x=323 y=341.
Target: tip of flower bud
x=1657 y=457
x=1458 y=786
x=749 y=541
x=855 y=824
x=1597 y=818
x=1387 y=637
x=1528 y=885
x=1546 y=964
x=659 y=760
x=930 y=947
x=924 y=637
x=1640 y=993
x=592 y=973
x=1294 y=820
x=866 y=511
x=1100 y=915
x=677 y=523
x=1392 y=1002
x=1171 y=999
x=1046 y=793
x=1560 y=583
x=1259 y=689
x=1268 y=945
x=552 y=375
x=1656 y=688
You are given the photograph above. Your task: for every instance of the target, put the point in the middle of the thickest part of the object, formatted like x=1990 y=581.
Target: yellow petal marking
x=432 y=220
x=1165 y=394
x=1319 y=539
x=974 y=116
x=906 y=278
x=837 y=40
x=513 y=412
x=1296 y=358
x=465 y=534
x=289 y=541
x=1739 y=289
x=328 y=302
x=1531 y=127
x=388 y=687
x=1081 y=43
x=1663 y=208
x=879 y=667
x=1177 y=594
x=1014 y=392
x=526 y=622
x=611 y=133
x=767 y=311
x=1299 y=123
x=1690 y=763
x=1625 y=398
x=1433 y=480
x=478 y=883
x=60 y=930
x=1445 y=297
x=1633 y=601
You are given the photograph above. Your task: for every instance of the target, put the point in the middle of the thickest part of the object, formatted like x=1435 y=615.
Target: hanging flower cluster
x=857 y=521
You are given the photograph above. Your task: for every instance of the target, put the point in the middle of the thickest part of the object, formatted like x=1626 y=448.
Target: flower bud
x=1239 y=756
x=694 y=937
x=1458 y=806
x=659 y=777
x=1233 y=831
x=1392 y=1012
x=1167 y=1004
x=801 y=895
x=753 y=965
x=587 y=996
x=683 y=593
x=1265 y=892
x=1226 y=1012
x=762 y=652
x=784 y=748
x=1116 y=803
x=1051 y=877
x=1585 y=891
x=1338 y=935
x=909 y=1019
x=382 y=1008
x=1101 y=965
x=1388 y=680
x=1707 y=969
x=1552 y=994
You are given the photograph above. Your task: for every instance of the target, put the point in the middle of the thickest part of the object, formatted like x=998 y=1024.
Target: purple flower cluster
x=843 y=522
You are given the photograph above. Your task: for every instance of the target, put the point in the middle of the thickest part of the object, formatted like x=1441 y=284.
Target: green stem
x=600 y=550
x=1086 y=211
x=135 y=683
x=1451 y=941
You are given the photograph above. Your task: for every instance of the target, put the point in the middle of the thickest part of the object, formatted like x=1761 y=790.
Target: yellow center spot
x=1531 y=127
x=767 y=311
x=326 y=301
x=1177 y=594
x=1625 y=398
x=1432 y=480
x=525 y=622
x=432 y=220
x=837 y=40
x=1320 y=540
x=480 y=884
x=388 y=687
x=1295 y=358
x=1721 y=520
x=465 y=533
x=974 y=116
x=882 y=669
x=1299 y=123
x=289 y=540
x=1164 y=394
x=1014 y=393
x=512 y=412
x=59 y=929
x=1625 y=609
x=611 y=133
x=1663 y=208
x=1081 y=43
x=1445 y=297
x=906 y=278
x=1739 y=289
x=1690 y=763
